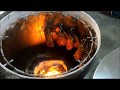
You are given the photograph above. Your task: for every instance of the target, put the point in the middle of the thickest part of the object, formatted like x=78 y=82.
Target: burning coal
x=50 y=68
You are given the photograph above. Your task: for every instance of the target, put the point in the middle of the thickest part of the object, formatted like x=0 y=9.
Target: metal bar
x=9 y=62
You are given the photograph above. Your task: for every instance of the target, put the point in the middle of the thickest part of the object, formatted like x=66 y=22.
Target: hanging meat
x=65 y=30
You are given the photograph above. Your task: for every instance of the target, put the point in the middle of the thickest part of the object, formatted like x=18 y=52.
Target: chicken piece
x=61 y=40
x=69 y=43
x=82 y=28
x=48 y=17
x=78 y=54
x=54 y=36
x=49 y=41
x=57 y=18
x=57 y=29
x=76 y=42
x=68 y=20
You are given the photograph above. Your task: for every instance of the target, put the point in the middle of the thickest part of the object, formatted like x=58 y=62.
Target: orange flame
x=33 y=30
x=50 y=68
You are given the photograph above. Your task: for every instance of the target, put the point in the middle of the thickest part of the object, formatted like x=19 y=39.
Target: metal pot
x=13 y=16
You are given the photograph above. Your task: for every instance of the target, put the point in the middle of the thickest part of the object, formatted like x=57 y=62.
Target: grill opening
x=23 y=51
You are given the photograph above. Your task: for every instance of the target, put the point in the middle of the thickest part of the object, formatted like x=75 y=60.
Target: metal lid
x=109 y=67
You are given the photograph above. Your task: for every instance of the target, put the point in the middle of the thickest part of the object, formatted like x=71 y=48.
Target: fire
x=40 y=27
x=33 y=30
x=50 y=68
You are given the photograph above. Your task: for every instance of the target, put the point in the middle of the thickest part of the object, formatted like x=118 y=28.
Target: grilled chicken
x=69 y=43
x=60 y=30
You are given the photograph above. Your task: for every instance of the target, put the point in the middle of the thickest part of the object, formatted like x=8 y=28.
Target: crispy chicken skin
x=69 y=43
x=61 y=40
x=78 y=54
x=76 y=42
x=49 y=41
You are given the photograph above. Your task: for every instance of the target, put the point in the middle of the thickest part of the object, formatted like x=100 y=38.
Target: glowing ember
x=50 y=68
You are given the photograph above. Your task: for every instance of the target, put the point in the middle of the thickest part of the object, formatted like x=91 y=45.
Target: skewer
x=9 y=62
x=3 y=37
